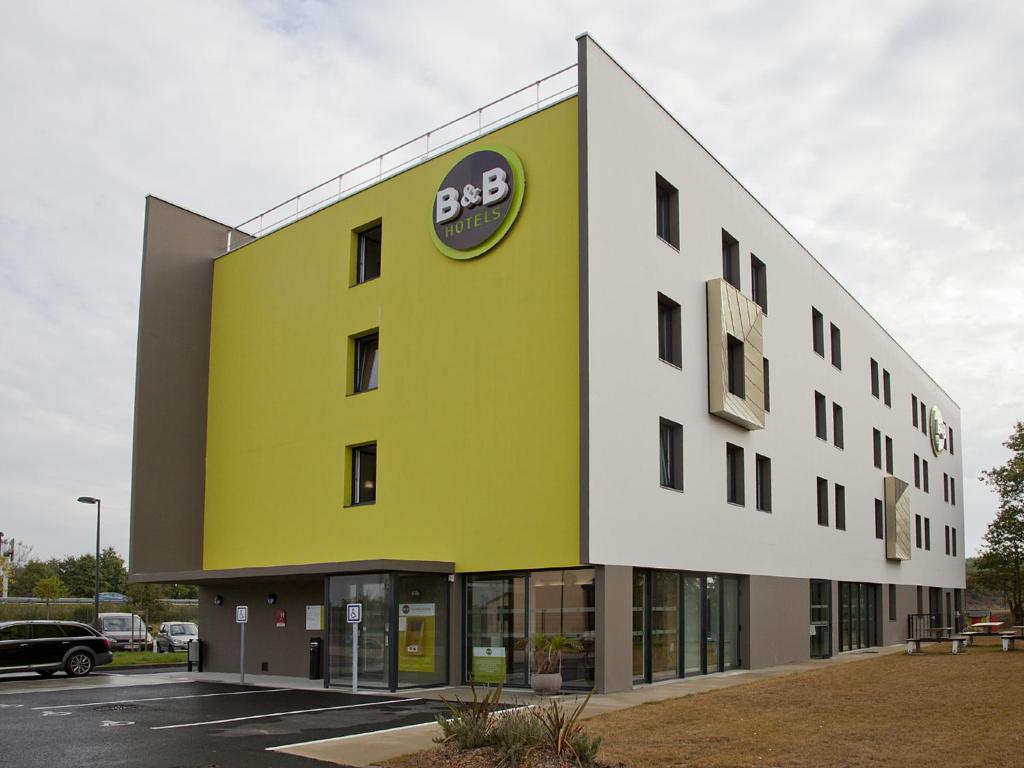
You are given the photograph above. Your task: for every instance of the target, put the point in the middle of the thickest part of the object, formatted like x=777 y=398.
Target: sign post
x=355 y=616
x=241 y=618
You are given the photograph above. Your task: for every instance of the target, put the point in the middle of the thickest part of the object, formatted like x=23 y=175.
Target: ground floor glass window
x=858 y=615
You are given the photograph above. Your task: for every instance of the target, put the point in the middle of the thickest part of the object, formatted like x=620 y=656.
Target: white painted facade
x=632 y=520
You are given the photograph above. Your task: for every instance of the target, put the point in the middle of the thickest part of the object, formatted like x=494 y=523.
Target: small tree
x=49 y=589
x=1000 y=567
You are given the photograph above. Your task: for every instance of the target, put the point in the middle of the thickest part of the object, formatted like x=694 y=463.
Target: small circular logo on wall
x=477 y=202
x=938 y=430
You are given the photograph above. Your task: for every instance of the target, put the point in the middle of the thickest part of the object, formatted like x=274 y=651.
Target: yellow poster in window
x=416 y=637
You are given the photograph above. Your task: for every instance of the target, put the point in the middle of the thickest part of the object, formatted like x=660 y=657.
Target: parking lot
x=172 y=722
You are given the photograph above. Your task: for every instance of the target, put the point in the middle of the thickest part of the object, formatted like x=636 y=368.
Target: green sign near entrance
x=489 y=665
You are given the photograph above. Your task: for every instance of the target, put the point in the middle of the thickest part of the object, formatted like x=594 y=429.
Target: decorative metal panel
x=730 y=313
x=897 y=519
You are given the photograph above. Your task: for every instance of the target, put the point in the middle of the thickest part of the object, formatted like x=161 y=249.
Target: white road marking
x=55 y=714
x=280 y=714
x=168 y=698
x=110 y=723
x=11 y=706
x=103 y=686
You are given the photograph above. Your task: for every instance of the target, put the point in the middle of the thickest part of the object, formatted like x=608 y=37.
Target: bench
x=958 y=643
x=1008 y=638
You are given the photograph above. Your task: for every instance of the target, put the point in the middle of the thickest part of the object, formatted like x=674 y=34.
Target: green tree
x=79 y=572
x=49 y=589
x=1000 y=566
x=25 y=579
x=147 y=600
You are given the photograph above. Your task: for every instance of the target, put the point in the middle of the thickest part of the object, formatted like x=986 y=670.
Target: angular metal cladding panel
x=730 y=313
x=897 y=519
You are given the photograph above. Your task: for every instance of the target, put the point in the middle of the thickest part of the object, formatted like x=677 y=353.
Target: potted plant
x=547 y=653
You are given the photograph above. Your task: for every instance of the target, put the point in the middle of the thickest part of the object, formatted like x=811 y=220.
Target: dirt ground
x=933 y=709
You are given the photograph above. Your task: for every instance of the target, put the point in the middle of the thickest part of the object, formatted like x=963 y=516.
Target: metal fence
x=509 y=108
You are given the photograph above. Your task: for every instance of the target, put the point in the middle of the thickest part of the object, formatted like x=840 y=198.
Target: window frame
x=356 y=493
x=917 y=532
x=670 y=436
x=762 y=483
x=874 y=378
x=362 y=237
x=836 y=346
x=886 y=388
x=734 y=480
x=766 y=385
x=359 y=343
x=731 y=260
x=820 y=416
x=913 y=410
x=666 y=211
x=840 y=506
x=736 y=374
x=879 y=520
x=876 y=446
x=838 y=438
x=759 y=283
x=817 y=332
x=822 y=502
x=888 y=455
x=670 y=322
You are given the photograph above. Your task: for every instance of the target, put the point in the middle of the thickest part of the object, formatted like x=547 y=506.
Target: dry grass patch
x=928 y=709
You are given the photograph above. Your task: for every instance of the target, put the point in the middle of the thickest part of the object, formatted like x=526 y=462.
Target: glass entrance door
x=496 y=630
x=373 y=591
x=821 y=619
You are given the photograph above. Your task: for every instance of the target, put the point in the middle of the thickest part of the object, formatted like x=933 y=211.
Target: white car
x=175 y=636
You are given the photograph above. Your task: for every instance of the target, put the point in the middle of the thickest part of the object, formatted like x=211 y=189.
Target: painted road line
x=280 y=714
x=166 y=698
x=298 y=744
x=100 y=686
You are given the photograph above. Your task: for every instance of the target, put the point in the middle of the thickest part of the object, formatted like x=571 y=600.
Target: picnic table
x=989 y=627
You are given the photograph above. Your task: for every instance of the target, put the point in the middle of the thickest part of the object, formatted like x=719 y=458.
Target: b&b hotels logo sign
x=477 y=202
x=939 y=431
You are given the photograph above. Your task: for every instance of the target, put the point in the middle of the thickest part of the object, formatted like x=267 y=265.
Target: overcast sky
x=888 y=137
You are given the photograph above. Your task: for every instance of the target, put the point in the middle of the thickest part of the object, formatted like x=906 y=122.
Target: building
x=472 y=425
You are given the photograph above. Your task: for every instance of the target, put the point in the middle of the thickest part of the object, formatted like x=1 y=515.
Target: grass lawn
x=933 y=709
x=130 y=658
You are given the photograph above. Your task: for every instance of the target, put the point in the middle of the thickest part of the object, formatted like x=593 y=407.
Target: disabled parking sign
x=355 y=613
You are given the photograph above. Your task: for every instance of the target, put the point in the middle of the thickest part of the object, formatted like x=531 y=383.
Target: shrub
x=563 y=731
x=515 y=734
x=468 y=723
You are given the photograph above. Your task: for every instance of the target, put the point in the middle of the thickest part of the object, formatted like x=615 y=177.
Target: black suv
x=45 y=647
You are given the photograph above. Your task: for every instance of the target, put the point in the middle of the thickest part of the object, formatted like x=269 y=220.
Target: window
x=892 y=602
x=879 y=519
x=364 y=474
x=924 y=418
x=837 y=425
x=917 y=531
x=759 y=283
x=840 y=507
x=924 y=474
x=366 y=361
x=886 y=388
x=913 y=409
x=818 y=331
x=874 y=378
x=735 y=360
x=888 y=455
x=953 y=531
x=734 y=474
x=671 y=454
x=731 y=259
x=877 y=440
x=368 y=263
x=952 y=491
x=822 y=501
x=837 y=346
x=927 y=533
x=667 y=198
x=670 y=337
x=949 y=439
x=763 y=482
x=947 y=539
x=767 y=381
x=820 y=427
x=945 y=487
x=917 y=471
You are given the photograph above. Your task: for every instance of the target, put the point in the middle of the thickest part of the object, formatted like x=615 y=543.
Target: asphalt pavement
x=175 y=724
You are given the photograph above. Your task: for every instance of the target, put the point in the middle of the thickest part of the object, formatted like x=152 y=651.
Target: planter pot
x=546 y=685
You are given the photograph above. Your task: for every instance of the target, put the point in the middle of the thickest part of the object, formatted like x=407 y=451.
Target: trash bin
x=315 y=654
x=195 y=655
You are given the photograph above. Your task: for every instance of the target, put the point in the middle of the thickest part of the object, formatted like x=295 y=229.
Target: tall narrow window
x=949 y=439
x=947 y=539
x=927 y=533
x=888 y=455
x=671 y=454
x=763 y=481
x=954 y=542
x=759 y=283
x=734 y=474
x=917 y=531
x=670 y=341
x=731 y=259
x=366 y=362
x=876 y=439
x=913 y=409
x=945 y=487
x=837 y=345
x=917 y=471
x=879 y=519
x=840 y=507
x=667 y=204
x=767 y=387
x=735 y=359
x=952 y=491
x=837 y=425
x=886 y=388
x=818 y=331
x=822 y=501
x=874 y=378
x=892 y=602
x=924 y=418
x=820 y=427
x=924 y=475
x=364 y=474
x=368 y=264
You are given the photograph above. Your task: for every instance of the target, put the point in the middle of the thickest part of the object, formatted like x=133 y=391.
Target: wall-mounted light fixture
x=218 y=599
x=271 y=598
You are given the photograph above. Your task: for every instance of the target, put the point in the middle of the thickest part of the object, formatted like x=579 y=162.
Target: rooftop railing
x=509 y=108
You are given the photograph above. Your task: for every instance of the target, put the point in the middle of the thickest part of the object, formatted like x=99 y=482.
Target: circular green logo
x=477 y=202
x=939 y=432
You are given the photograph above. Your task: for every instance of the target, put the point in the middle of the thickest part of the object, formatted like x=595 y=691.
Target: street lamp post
x=91 y=500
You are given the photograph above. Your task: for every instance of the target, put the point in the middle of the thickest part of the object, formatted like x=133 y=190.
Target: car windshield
x=122 y=624
x=184 y=629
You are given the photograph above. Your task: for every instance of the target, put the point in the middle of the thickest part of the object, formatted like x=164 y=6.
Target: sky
x=887 y=137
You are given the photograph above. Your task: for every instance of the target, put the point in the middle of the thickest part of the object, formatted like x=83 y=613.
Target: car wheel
x=45 y=672
x=79 y=664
